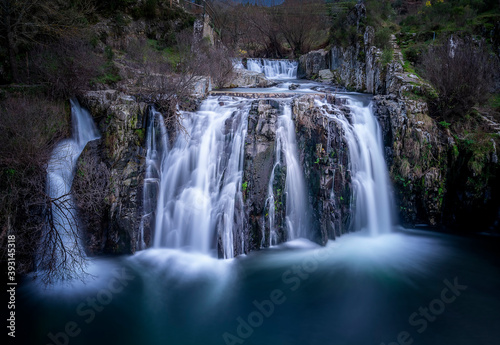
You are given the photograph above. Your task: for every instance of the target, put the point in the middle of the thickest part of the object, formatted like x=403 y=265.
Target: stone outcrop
x=246 y=78
x=260 y=147
x=417 y=155
x=311 y=63
x=439 y=178
x=122 y=122
x=325 y=158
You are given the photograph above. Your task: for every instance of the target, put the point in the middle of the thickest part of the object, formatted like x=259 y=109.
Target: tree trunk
x=12 y=58
x=10 y=41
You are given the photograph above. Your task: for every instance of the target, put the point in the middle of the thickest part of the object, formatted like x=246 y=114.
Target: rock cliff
x=324 y=156
x=122 y=122
x=440 y=178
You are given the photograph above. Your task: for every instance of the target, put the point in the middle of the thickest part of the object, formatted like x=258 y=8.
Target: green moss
x=445 y=124
x=141 y=134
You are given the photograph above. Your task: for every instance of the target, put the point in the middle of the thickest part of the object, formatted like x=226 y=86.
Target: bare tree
x=91 y=190
x=303 y=23
x=66 y=66
x=32 y=126
x=25 y=22
x=462 y=71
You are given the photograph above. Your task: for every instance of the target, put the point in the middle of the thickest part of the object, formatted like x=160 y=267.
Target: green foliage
x=244 y=186
x=413 y=53
x=108 y=53
x=108 y=74
x=343 y=30
x=378 y=12
x=382 y=38
x=172 y=55
x=387 y=55
x=141 y=134
x=494 y=101
x=445 y=124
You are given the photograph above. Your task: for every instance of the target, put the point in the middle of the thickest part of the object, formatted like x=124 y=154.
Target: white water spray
x=200 y=197
x=369 y=171
x=60 y=174
x=156 y=146
x=297 y=204
x=274 y=69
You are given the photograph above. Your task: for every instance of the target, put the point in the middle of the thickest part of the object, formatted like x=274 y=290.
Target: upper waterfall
x=274 y=69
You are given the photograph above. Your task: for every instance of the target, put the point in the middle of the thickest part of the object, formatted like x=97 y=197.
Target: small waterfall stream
x=296 y=195
x=156 y=146
x=60 y=173
x=371 y=191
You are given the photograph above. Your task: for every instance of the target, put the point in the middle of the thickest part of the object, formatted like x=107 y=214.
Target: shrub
x=387 y=55
x=462 y=73
x=66 y=67
x=382 y=38
x=30 y=126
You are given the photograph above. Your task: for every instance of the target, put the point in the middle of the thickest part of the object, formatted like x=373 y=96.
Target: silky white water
x=371 y=192
x=274 y=69
x=200 y=203
x=65 y=245
x=156 y=145
x=297 y=204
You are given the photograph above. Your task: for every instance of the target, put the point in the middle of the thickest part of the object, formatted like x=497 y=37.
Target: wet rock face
x=436 y=175
x=122 y=122
x=325 y=158
x=259 y=160
x=311 y=63
x=417 y=156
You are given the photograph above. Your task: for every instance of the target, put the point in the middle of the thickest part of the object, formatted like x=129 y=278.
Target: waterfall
x=197 y=178
x=156 y=145
x=274 y=69
x=370 y=179
x=60 y=174
x=297 y=204
x=200 y=203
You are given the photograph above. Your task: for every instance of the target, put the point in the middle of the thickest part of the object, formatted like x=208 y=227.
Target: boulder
x=325 y=75
x=246 y=78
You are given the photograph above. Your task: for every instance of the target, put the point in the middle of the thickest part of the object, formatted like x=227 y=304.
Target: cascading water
x=274 y=69
x=156 y=145
x=297 y=204
x=60 y=174
x=200 y=196
x=369 y=172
